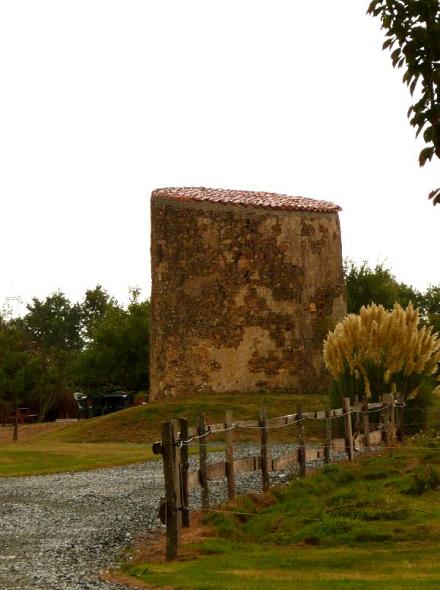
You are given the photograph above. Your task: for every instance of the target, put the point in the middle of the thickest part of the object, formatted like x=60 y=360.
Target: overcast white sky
x=102 y=101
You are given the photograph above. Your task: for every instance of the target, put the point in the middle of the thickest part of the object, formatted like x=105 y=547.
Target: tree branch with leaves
x=412 y=30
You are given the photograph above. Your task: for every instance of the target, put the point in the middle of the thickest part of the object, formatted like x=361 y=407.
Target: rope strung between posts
x=327 y=417
x=271 y=427
x=210 y=431
x=355 y=411
x=386 y=407
x=232 y=427
x=235 y=427
x=222 y=511
x=240 y=513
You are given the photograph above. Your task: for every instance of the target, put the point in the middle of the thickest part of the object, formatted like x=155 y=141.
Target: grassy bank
x=374 y=524
x=141 y=424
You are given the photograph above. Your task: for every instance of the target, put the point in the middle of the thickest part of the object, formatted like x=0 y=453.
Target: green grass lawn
x=126 y=436
x=257 y=568
x=374 y=524
x=38 y=458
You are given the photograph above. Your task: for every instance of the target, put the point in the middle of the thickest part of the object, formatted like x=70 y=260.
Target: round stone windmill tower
x=245 y=286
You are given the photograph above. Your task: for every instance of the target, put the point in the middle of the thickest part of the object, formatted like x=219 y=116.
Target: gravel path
x=57 y=532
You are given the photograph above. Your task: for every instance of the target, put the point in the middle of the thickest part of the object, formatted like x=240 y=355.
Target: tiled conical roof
x=245 y=198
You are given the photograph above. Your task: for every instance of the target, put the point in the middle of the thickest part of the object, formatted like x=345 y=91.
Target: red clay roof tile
x=245 y=198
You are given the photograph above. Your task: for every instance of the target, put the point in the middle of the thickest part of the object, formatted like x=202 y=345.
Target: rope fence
x=359 y=433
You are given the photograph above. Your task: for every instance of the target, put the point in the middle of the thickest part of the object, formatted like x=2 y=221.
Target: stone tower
x=245 y=286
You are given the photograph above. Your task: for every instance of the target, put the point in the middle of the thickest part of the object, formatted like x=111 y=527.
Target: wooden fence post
x=230 y=455
x=203 y=454
x=301 y=441
x=366 y=421
x=263 y=451
x=387 y=417
x=184 y=468
x=172 y=488
x=357 y=415
x=15 y=435
x=400 y=417
x=393 y=419
x=348 y=428
x=328 y=436
x=384 y=419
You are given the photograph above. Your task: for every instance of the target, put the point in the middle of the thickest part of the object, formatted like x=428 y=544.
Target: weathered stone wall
x=241 y=297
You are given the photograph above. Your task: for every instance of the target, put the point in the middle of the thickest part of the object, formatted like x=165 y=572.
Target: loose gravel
x=59 y=532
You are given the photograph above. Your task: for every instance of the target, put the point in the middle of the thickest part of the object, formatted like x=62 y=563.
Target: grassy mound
x=374 y=524
x=141 y=424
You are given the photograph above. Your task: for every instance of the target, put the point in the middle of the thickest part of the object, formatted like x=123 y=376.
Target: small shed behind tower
x=244 y=288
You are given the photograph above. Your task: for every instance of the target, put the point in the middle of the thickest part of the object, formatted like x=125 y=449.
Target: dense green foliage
x=18 y=366
x=59 y=346
x=378 y=285
x=412 y=30
x=429 y=306
x=366 y=284
x=118 y=348
x=52 y=329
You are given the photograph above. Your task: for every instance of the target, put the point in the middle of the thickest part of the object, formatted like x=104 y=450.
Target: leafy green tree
x=54 y=327
x=118 y=351
x=412 y=30
x=429 y=305
x=58 y=346
x=97 y=302
x=365 y=285
x=54 y=323
x=18 y=367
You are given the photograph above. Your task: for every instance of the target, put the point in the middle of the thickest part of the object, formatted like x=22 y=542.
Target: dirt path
x=59 y=532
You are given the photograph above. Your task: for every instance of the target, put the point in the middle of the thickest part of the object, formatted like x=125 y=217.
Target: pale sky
x=103 y=101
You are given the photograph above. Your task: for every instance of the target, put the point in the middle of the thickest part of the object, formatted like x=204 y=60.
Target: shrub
x=379 y=350
x=424 y=479
x=378 y=285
